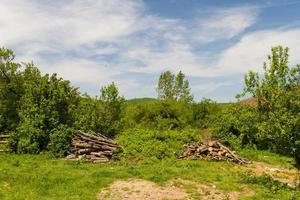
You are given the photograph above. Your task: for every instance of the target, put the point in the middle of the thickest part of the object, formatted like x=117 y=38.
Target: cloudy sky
x=130 y=42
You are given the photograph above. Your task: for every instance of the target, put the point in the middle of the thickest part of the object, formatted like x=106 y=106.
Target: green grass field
x=43 y=177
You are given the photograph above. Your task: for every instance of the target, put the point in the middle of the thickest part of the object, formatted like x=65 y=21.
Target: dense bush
x=236 y=126
x=162 y=115
x=204 y=113
x=103 y=114
x=60 y=139
x=275 y=122
x=144 y=143
x=44 y=106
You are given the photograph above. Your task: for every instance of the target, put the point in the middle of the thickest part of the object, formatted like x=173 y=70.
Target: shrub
x=144 y=143
x=236 y=126
x=204 y=113
x=159 y=115
x=60 y=139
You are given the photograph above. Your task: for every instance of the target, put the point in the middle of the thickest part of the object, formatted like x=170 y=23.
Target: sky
x=94 y=42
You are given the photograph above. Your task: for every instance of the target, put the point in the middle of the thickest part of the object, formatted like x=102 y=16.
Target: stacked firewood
x=4 y=140
x=212 y=150
x=93 y=147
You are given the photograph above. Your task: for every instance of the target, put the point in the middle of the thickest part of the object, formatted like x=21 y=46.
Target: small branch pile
x=211 y=150
x=92 y=147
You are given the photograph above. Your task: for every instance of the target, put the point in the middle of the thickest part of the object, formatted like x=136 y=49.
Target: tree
x=45 y=105
x=173 y=87
x=165 y=87
x=111 y=109
x=101 y=114
x=11 y=90
x=278 y=97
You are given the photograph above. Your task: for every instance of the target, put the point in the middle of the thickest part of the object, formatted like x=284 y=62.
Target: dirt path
x=136 y=189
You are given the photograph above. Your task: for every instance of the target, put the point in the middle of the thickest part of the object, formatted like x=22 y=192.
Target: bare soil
x=136 y=189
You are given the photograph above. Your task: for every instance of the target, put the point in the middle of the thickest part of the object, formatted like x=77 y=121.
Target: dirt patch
x=210 y=191
x=136 y=189
x=284 y=175
x=140 y=189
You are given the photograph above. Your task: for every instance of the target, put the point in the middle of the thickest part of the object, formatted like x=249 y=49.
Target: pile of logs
x=212 y=150
x=93 y=147
x=4 y=140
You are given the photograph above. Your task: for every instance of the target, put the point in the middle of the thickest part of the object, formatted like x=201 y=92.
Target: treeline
x=40 y=112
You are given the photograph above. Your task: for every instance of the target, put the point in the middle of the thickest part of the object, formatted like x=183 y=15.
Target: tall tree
x=11 y=90
x=111 y=109
x=174 y=87
x=278 y=96
x=165 y=87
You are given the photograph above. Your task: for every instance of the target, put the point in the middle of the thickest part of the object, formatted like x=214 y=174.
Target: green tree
x=278 y=97
x=173 y=87
x=111 y=111
x=103 y=114
x=11 y=90
x=165 y=87
x=46 y=104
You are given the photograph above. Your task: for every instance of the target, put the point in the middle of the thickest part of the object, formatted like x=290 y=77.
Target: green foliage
x=31 y=104
x=46 y=104
x=102 y=114
x=144 y=143
x=162 y=115
x=60 y=139
x=174 y=88
x=275 y=122
x=236 y=126
x=112 y=104
x=11 y=90
x=204 y=113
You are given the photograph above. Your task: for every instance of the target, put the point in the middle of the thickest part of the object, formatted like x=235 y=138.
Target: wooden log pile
x=4 y=140
x=93 y=147
x=211 y=150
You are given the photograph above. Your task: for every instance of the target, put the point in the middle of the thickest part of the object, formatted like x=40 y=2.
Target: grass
x=267 y=157
x=43 y=177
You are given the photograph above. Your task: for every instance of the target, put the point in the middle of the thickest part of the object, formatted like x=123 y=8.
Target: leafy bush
x=144 y=143
x=274 y=123
x=236 y=126
x=204 y=113
x=161 y=115
x=32 y=139
x=60 y=139
x=103 y=114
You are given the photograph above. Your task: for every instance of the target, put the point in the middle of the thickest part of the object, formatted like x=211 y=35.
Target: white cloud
x=252 y=50
x=95 y=42
x=67 y=25
x=210 y=87
x=227 y=23
x=83 y=71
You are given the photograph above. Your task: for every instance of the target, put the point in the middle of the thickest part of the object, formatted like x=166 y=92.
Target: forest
x=40 y=115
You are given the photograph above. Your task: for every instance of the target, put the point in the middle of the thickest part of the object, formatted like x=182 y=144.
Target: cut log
x=4 y=136
x=212 y=150
x=93 y=147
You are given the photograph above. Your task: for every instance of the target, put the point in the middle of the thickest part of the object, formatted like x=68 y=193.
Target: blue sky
x=94 y=42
